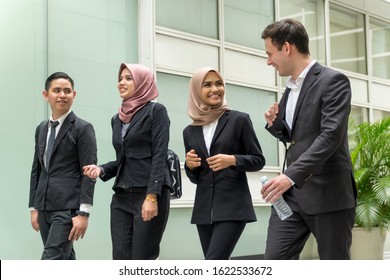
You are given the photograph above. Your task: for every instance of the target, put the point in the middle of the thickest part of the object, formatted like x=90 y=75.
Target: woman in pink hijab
x=141 y=199
x=221 y=146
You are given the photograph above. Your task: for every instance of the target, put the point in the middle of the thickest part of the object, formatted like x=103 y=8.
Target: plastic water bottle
x=281 y=207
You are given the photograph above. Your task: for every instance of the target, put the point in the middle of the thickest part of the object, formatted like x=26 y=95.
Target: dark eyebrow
x=56 y=88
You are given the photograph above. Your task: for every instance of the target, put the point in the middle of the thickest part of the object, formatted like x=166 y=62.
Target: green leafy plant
x=370 y=154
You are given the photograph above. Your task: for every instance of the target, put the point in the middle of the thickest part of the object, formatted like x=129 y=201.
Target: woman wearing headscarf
x=221 y=146
x=141 y=199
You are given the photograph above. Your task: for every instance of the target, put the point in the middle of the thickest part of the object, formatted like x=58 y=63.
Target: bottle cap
x=263 y=179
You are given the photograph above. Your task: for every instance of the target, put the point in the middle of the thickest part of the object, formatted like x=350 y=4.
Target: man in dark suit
x=60 y=196
x=312 y=119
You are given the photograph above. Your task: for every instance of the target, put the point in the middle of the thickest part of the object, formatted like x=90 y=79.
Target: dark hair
x=287 y=30
x=56 y=76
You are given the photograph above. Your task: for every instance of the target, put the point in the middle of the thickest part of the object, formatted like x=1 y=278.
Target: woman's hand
x=92 y=171
x=149 y=207
x=192 y=160
x=221 y=161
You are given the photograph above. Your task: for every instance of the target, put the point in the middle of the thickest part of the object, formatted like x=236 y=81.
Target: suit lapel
x=221 y=123
x=282 y=109
x=68 y=122
x=310 y=78
x=199 y=138
x=136 y=118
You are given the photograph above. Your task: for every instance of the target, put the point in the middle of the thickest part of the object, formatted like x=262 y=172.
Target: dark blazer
x=318 y=158
x=63 y=186
x=141 y=156
x=224 y=195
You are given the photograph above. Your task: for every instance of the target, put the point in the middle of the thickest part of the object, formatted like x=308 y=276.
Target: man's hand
x=80 y=224
x=275 y=187
x=271 y=114
x=34 y=220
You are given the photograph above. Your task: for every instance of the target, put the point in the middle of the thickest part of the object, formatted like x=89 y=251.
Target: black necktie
x=50 y=143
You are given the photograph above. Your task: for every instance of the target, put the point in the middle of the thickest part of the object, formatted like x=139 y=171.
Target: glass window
x=311 y=14
x=173 y=94
x=380 y=46
x=255 y=102
x=244 y=23
x=193 y=16
x=357 y=116
x=347 y=43
x=379 y=115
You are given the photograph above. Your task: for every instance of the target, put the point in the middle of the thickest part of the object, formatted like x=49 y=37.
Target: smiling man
x=60 y=196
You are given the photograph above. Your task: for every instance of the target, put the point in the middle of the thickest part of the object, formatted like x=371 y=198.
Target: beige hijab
x=201 y=113
x=145 y=90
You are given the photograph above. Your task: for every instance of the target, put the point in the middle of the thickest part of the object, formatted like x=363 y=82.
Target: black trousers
x=55 y=227
x=219 y=239
x=332 y=231
x=132 y=238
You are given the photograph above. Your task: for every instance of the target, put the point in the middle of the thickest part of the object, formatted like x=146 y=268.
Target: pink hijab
x=145 y=90
x=201 y=113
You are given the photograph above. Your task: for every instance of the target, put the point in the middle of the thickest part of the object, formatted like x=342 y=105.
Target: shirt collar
x=290 y=83
x=62 y=118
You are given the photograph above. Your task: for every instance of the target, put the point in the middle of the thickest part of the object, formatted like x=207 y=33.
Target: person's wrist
x=82 y=213
x=151 y=197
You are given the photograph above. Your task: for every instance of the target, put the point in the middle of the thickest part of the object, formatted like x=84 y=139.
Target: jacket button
x=293 y=142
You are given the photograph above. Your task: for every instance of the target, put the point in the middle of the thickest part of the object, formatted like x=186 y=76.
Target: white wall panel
x=248 y=68
x=359 y=90
x=183 y=55
x=380 y=95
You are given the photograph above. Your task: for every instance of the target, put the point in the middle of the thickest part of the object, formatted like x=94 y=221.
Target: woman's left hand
x=149 y=207
x=221 y=161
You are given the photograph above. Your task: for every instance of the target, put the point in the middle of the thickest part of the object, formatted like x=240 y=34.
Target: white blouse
x=208 y=133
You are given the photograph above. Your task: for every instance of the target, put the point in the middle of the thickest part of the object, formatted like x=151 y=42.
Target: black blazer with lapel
x=63 y=186
x=318 y=158
x=224 y=195
x=141 y=156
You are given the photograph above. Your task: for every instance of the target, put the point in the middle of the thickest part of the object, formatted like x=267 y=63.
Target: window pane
x=244 y=23
x=357 y=116
x=348 y=48
x=311 y=14
x=193 y=16
x=380 y=44
x=255 y=102
x=380 y=115
x=173 y=93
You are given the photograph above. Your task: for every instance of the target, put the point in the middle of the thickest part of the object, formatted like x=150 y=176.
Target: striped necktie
x=50 y=143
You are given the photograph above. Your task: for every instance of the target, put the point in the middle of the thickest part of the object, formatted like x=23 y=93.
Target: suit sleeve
x=87 y=152
x=251 y=159
x=193 y=175
x=160 y=140
x=35 y=172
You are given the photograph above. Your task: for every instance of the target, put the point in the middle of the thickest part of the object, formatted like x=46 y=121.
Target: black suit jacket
x=318 y=158
x=63 y=186
x=141 y=156
x=224 y=195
